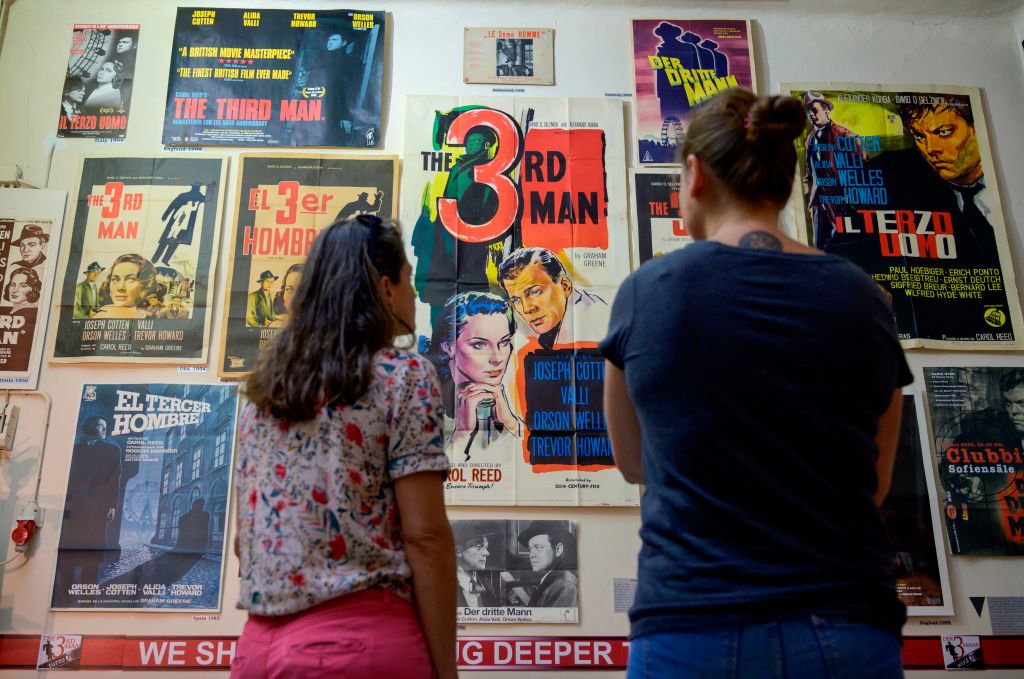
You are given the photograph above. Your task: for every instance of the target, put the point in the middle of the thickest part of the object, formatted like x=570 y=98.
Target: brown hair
x=338 y=321
x=747 y=142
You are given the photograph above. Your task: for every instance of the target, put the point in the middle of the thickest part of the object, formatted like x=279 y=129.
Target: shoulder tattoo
x=760 y=240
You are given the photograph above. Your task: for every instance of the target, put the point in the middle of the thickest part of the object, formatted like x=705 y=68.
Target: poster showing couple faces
x=977 y=421
x=275 y=77
x=30 y=230
x=678 y=64
x=97 y=92
x=284 y=201
x=516 y=571
x=146 y=507
x=139 y=262
x=900 y=180
x=515 y=213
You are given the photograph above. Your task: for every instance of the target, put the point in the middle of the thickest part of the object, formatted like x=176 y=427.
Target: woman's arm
x=887 y=438
x=623 y=427
x=430 y=549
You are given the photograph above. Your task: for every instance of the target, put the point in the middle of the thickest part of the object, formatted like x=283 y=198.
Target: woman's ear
x=387 y=291
x=694 y=178
x=447 y=348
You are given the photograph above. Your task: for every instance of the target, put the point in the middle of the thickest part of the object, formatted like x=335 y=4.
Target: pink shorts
x=372 y=633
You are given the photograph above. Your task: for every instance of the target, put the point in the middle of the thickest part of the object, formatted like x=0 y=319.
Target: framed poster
x=977 y=422
x=894 y=179
x=657 y=227
x=678 y=64
x=911 y=513
x=284 y=201
x=145 y=512
x=275 y=77
x=139 y=262
x=515 y=210
x=513 y=56
x=97 y=94
x=31 y=222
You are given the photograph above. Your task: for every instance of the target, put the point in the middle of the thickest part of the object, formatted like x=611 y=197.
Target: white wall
x=932 y=42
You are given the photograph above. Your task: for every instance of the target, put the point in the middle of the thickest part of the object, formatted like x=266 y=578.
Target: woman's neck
x=730 y=223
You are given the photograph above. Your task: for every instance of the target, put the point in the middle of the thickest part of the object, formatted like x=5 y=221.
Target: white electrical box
x=8 y=425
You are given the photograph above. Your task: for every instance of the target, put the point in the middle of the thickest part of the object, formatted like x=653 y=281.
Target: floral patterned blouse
x=317 y=516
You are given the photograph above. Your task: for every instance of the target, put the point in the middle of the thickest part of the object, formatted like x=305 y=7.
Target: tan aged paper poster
x=511 y=56
x=30 y=229
x=515 y=210
x=283 y=203
x=140 y=261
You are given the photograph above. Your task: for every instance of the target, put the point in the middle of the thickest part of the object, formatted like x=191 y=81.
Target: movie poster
x=977 y=420
x=140 y=261
x=275 y=77
x=657 y=225
x=894 y=178
x=30 y=229
x=284 y=201
x=516 y=571
x=97 y=93
x=516 y=213
x=678 y=64
x=514 y=56
x=147 y=498
x=59 y=652
x=911 y=516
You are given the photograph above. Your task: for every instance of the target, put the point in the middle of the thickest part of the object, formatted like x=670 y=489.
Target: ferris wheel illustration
x=671 y=131
x=93 y=49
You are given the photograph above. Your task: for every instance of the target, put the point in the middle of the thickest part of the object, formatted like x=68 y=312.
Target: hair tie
x=746 y=122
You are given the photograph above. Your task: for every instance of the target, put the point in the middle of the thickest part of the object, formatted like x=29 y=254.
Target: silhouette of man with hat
x=259 y=307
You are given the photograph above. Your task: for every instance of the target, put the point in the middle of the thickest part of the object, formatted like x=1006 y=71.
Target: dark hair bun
x=773 y=120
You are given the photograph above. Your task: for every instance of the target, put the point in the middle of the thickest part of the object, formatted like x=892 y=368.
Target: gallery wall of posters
x=900 y=180
x=515 y=56
x=911 y=514
x=678 y=64
x=657 y=227
x=515 y=209
x=516 y=571
x=283 y=202
x=139 y=261
x=275 y=77
x=97 y=92
x=977 y=421
x=147 y=498
x=30 y=228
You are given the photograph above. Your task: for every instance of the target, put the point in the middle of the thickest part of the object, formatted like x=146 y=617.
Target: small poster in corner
x=511 y=56
x=516 y=571
x=59 y=652
x=962 y=653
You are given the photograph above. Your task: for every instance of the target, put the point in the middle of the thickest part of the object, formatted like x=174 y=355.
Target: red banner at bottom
x=21 y=651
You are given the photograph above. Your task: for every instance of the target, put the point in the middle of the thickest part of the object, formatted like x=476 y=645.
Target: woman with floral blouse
x=347 y=558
